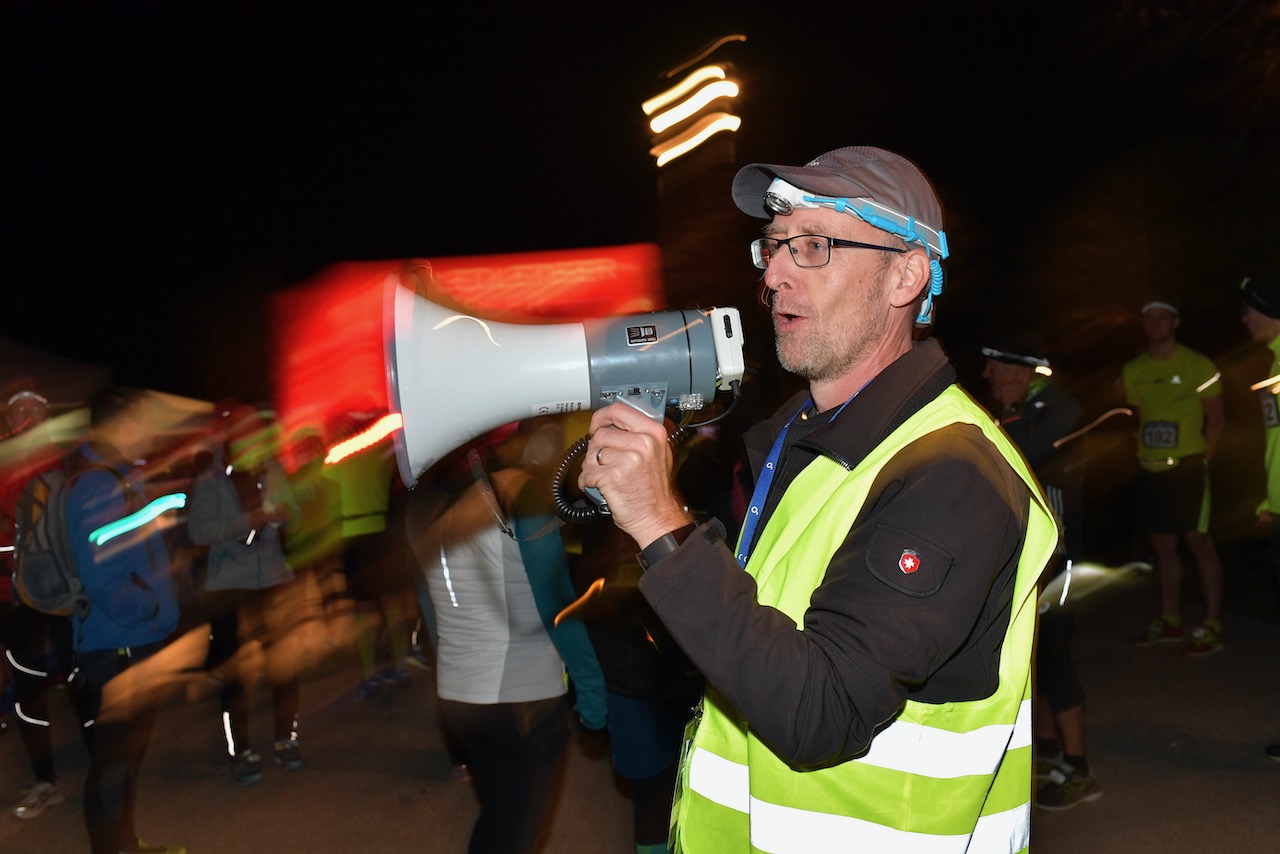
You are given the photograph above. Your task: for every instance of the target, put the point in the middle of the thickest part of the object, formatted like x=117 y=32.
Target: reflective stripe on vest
x=940 y=778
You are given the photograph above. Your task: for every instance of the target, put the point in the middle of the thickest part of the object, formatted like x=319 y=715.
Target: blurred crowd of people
x=285 y=549
x=253 y=558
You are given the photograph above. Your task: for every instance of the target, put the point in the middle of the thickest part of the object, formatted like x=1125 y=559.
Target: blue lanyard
x=761 y=493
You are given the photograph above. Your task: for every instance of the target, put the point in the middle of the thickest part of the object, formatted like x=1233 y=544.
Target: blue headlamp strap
x=782 y=197
x=761 y=493
x=907 y=228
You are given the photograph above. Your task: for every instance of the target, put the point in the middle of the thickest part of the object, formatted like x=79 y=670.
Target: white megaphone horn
x=453 y=376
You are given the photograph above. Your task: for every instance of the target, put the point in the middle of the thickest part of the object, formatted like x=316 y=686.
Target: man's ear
x=910 y=277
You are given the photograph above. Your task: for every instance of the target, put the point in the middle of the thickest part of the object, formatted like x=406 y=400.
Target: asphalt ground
x=1175 y=741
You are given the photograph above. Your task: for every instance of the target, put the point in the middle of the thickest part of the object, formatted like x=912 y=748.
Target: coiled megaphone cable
x=583 y=510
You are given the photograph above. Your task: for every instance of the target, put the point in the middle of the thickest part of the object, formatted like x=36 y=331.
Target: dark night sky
x=165 y=166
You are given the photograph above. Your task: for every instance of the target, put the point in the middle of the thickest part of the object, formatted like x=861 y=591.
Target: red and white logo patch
x=909 y=562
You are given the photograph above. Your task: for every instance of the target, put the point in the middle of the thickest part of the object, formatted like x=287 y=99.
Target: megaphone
x=453 y=376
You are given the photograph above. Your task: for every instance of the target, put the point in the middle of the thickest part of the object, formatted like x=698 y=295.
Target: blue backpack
x=44 y=575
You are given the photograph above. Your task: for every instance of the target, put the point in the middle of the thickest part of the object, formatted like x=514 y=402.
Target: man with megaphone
x=867 y=644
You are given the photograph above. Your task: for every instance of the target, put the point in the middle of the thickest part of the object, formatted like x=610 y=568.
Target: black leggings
x=1055 y=669
x=38 y=652
x=516 y=751
x=117 y=743
x=234 y=617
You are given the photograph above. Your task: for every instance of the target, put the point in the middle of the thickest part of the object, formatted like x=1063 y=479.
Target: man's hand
x=629 y=460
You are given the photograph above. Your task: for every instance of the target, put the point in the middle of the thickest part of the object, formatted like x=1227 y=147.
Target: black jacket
x=818 y=696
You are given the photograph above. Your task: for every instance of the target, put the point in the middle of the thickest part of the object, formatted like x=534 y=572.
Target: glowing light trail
x=135 y=520
x=376 y=432
x=684 y=87
x=694 y=136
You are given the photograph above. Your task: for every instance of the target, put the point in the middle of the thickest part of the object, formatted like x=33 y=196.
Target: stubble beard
x=822 y=355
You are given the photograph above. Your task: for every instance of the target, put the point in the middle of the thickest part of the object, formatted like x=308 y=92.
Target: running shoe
x=246 y=767
x=419 y=659
x=1204 y=641
x=144 y=848
x=1160 y=631
x=287 y=754
x=1065 y=791
x=396 y=677
x=37 y=798
x=1047 y=764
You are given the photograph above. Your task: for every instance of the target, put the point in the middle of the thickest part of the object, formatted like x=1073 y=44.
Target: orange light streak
x=686 y=108
x=684 y=87
x=376 y=432
x=694 y=136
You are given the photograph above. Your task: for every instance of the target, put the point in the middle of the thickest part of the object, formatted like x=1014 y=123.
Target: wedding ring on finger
x=598 y=450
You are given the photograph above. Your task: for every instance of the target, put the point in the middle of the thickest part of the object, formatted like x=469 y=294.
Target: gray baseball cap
x=902 y=201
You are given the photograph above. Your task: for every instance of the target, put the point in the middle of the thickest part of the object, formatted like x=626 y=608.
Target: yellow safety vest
x=951 y=777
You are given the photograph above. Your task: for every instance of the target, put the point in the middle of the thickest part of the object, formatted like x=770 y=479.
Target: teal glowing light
x=172 y=501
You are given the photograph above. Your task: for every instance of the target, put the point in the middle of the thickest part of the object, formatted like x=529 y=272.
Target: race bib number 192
x=1160 y=434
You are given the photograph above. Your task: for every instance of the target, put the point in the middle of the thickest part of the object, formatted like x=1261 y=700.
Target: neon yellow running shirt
x=1167 y=395
x=1271 y=420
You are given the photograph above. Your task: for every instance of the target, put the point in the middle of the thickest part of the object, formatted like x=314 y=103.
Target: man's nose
x=780 y=271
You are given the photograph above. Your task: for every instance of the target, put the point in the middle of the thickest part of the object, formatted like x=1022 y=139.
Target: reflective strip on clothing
x=1003 y=831
x=912 y=748
x=23 y=668
x=932 y=752
x=786 y=830
x=783 y=830
x=26 y=718
x=720 y=780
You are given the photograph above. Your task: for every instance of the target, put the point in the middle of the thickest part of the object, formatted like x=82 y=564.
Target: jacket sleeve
x=107 y=570
x=548 y=570
x=869 y=638
x=214 y=514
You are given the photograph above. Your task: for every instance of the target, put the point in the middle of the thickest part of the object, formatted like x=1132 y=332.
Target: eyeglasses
x=807 y=250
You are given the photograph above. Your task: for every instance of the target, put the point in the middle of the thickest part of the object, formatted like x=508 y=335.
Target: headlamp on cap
x=1039 y=364
x=28 y=395
x=784 y=198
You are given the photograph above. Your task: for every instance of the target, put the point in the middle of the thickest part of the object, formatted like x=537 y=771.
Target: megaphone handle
x=601 y=505
x=582 y=511
x=649 y=400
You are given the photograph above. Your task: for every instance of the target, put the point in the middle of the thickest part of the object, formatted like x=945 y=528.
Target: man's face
x=828 y=319
x=138 y=431
x=1009 y=383
x=1259 y=325
x=1159 y=324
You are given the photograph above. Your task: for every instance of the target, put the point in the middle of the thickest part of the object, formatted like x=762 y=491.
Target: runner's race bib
x=1270 y=413
x=1160 y=434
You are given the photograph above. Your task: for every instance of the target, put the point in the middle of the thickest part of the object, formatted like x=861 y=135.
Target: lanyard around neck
x=761 y=493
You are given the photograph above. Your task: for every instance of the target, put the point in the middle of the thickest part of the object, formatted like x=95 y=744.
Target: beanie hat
x=1262 y=293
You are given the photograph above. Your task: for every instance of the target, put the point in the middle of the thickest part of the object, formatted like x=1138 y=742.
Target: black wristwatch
x=664 y=546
